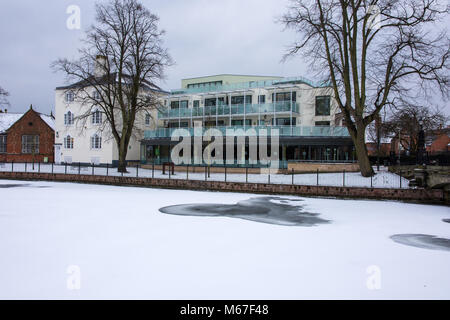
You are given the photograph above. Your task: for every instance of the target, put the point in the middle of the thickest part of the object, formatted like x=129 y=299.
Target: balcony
x=226 y=110
x=285 y=131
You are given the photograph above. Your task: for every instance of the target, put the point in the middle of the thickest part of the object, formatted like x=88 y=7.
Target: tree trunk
x=122 y=167
x=362 y=155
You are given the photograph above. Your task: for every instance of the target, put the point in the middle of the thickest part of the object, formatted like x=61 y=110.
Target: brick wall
x=416 y=195
x=30 y=124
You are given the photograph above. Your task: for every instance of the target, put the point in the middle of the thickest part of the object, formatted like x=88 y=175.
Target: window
x=183 y=124
x=147 y=119
x=70 y=97
x=284 y=96
x=96 y=117
x=68 y=118
x=196 y=103
x=284 y=121
x=178 y=104
x=248 y=122
x=68 y=142
x=96 y=95
x=3 y=143
x=322 y=123
x=323 y=106
x=204 y=84
x=96 y=142
x=30 y=144
x=211 y=102
x=262 y=98
x=240 y=100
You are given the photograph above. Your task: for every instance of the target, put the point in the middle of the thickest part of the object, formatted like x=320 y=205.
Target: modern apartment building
x=304 y=113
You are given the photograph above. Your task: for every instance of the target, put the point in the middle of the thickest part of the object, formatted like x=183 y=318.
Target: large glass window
x=240 y=122
x=178 y=104
x=196 y=103
x=204 y=84
x=284 y=121
x=322 y=105
x=3 y=143
x=212 y=101
x=284 y=96
x=262 y=98
x=30 y=144
x=240 y=100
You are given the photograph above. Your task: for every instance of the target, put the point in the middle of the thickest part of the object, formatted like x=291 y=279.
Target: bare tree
x=119 y=68
x=372 y=52
x=3 y=97
x=410 y=120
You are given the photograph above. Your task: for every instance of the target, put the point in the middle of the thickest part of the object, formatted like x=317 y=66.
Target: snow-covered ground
x=383 y=178
x=72 y=241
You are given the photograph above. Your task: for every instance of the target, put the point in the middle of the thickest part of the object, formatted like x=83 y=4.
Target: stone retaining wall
x=416 y=195
x=303 y=167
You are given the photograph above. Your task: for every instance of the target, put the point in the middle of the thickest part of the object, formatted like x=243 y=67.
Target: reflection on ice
x=273 y=210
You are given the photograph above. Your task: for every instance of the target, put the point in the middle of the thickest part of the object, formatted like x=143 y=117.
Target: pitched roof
x=7 y=120
x=108 y=78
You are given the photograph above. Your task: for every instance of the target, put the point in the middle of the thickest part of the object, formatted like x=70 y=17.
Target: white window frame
x=70 y=96
x=27 y=145
x=97 y=117
x=148 y=119
x=96 y=142
x=68 y=142
x=68 y=118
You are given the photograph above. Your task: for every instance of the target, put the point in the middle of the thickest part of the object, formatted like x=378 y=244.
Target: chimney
x=100 y=66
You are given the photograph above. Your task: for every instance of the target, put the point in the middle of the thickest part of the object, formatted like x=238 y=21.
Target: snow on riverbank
x=383 y=178
x=124 y=247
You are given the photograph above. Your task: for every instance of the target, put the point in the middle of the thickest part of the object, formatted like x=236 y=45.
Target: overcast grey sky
x=204 y=37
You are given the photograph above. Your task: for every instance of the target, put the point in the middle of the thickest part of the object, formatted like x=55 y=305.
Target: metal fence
x=382 y=179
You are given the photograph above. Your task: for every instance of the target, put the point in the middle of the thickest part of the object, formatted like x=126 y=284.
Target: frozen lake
x=74 y=241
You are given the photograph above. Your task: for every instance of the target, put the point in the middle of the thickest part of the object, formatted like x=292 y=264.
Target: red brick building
x=439 y=141
x=26 y=137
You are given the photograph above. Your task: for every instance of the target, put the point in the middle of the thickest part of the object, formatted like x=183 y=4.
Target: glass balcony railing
x=248 y=85
x=252 y=131
x=226 y=110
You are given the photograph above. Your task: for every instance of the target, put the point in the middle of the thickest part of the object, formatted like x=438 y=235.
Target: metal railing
x=383 y=179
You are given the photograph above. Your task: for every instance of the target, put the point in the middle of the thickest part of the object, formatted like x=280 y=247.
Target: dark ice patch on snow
x=446 y=220
x=261 y=209
x=424 y=241
x=11 y=185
